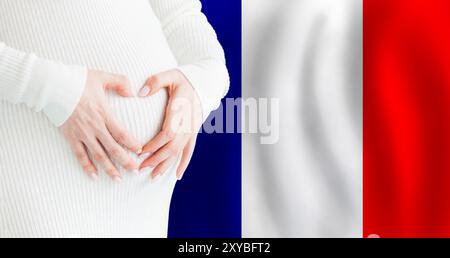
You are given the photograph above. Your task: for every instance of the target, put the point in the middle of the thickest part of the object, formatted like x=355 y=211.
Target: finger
x=170 y=149
x=121 y=135
x=174 y=115
x=168 y=132
x=120 y=84
x=161 y=139
x=186 y=157
x=156 y=158
x=84 y=160
x=157 y=82
x=116 y=152
x=163 y=167
x=100 y=156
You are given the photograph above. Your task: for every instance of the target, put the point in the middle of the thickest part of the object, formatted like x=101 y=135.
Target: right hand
x=92 y=127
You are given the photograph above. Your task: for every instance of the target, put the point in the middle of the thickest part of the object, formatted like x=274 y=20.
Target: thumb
x=120 y=84
x=157 y=82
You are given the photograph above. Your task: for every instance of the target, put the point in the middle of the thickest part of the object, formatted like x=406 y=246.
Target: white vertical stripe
x=309 y=55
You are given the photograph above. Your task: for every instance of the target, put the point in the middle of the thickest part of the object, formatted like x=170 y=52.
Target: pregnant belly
x=42 y=182
x=40 y=178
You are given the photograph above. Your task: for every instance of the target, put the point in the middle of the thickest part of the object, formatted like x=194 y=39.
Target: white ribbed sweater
x=46 y=47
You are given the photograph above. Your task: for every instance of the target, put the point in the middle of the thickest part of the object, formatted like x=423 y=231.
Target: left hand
x=182 y=121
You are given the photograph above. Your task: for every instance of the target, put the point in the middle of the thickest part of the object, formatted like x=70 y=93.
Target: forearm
x=41 y=84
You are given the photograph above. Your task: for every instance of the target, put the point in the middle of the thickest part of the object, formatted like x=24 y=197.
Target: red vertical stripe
x=406 y=118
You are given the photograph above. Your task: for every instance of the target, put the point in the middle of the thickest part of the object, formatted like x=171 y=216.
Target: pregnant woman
x=114 y=88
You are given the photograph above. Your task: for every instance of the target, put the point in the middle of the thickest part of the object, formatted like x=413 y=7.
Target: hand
x=182 y=121
x=92 y=128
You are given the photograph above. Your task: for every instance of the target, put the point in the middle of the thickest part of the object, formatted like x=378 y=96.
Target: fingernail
x=144 y=91
x=154 y=179
x=90 y=169
x=93 y=176
x=139 y=151
x=117 y=179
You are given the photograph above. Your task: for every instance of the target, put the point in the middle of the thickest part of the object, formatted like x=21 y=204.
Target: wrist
x=59 y=88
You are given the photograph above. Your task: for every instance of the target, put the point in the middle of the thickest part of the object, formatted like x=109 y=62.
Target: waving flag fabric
x=406 y=118
x=309 y=53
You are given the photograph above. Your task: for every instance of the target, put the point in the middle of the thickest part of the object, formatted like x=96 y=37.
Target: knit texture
x=46 y=47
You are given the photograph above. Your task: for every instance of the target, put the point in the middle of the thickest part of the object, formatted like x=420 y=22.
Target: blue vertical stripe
x=207 y=202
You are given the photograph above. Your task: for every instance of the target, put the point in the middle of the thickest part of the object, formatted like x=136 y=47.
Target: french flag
x=365 y=149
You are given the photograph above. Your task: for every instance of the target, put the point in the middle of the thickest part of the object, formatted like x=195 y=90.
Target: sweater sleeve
x=43 y=85
x=195 y=45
